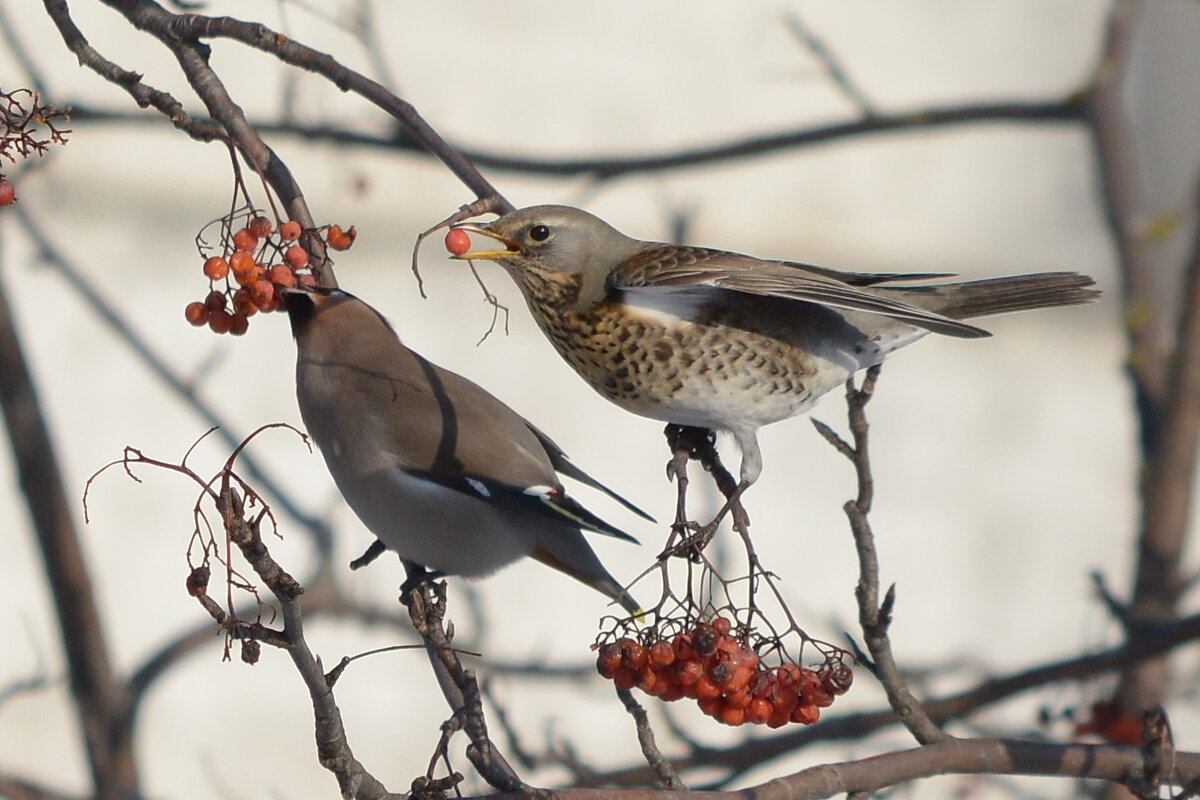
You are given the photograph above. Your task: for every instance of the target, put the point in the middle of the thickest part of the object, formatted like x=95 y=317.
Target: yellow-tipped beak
x=510 y=247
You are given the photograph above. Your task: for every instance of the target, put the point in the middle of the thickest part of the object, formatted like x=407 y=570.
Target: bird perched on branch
x=721 y=340
x=438 y=469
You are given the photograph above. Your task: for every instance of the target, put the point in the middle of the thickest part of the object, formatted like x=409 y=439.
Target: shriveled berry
x=196 y=314
x=340 y=239
x=683 y=647
x=290 y=231
x=704 y=639
x=245 y=240
x=8 y=193
x=297 y=256
x=216 y=268
x=837 y=679
x=458 y=241
x=260 y=227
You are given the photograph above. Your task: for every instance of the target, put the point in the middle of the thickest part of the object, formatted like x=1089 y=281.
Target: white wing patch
x=479 y=487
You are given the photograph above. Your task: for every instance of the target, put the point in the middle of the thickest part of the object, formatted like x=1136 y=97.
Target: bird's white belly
x=435 y=526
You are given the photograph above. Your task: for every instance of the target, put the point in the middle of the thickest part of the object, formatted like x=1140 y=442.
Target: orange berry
x=196 y=314
x=705 y=688
x=307 y=280
x=241 y=261
x=722 y=625
x=738 y=699
x=282 y=274
x=647 y=680
x=339 y=239
x=806 y=714
x=710 y=705
x=759 y=711
x=220 y=321
x=8 y=193
x=216 y=268
x=260 y=227
x=730 y=715
x=215 y=301
x=297 y=256
x=245 y=240
x=458 y=241
x=290 y=231
x=240 y=325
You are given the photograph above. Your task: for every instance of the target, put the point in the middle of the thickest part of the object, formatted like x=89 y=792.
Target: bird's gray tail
x=998 y=295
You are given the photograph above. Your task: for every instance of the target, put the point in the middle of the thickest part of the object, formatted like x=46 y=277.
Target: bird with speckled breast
x=721 y=340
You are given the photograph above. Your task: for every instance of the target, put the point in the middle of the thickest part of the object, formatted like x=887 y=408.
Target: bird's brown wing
x=676 y=267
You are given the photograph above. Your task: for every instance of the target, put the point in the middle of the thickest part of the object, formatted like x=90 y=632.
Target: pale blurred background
x=1004 y=466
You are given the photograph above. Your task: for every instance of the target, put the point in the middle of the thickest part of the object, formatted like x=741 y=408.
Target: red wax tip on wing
x=458 y=241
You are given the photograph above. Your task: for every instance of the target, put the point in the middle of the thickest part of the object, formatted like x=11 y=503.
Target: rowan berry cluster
x=728 y=680
x=258 y=262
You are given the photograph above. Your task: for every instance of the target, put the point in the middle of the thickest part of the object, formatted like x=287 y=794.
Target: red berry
x=215 y=301
x=260 y=227
x=458 y=241
x=8 y=193
x=220 y=321
x=633 y=655
x=297 y=256
x=759 y=711
x=689 y=672
x=262 y=293
x=196 y=314
x=806 y=714
x=624 y=678
x=243 y=303
x=662 y=654
x=239 y=325
x=609 y=660
x=290 y=231
x=282 y=275
x=216 y=268
x=730 y=715
x=670 y=692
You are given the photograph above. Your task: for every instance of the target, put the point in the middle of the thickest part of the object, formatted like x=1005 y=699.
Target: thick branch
x=100 y=697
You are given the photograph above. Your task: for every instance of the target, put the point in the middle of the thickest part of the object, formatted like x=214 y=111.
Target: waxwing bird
x=437 y=468
x=725 y=341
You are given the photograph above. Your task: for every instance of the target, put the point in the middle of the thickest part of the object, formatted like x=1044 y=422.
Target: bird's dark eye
x=539 y=233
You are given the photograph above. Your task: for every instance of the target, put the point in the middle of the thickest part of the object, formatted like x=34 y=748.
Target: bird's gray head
x=556 y=241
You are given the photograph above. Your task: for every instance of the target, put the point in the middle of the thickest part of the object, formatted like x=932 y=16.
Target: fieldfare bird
x=725 y=341
x=437 y=468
